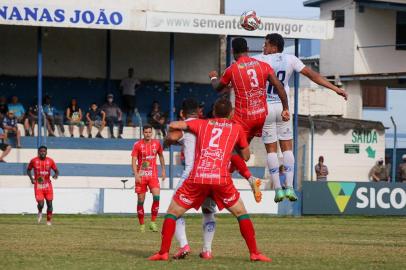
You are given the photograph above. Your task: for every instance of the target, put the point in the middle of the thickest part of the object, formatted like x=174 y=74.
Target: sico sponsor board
x=354 y=198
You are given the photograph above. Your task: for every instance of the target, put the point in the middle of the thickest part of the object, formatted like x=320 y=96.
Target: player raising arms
x=210 y=176
x=189 y=112
x=42 y=166
x=275 y=128
x=146 y=174
x=249 y=78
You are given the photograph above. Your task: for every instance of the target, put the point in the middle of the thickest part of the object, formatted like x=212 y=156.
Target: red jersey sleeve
x=194 y=125
x=134 y=153
x=30 y=165
x=53 y=165
x=227 y=76
x=160 y=150
x=242 y=139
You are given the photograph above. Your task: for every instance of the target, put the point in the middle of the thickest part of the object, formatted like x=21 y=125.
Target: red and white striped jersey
x=146 y=153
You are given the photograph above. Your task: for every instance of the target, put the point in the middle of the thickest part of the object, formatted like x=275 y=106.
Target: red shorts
x=252 y=128
x=191 y=195
x=44 y=192
x=150 y=183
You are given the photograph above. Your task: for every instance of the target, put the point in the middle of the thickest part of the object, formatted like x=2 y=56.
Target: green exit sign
x=351 y=148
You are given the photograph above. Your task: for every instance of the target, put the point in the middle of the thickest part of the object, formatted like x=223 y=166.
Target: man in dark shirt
x=3 y=107
x=10 y=127
x=95 y=117
x=113 y=116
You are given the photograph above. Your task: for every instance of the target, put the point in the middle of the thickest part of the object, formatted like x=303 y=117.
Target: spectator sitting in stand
x=19 y=113
x=74 y=117
x=97 y=118
x=10 y=127
x=32 y=116
x=157 y=118
x=53 y=117
x=3 y=108
x=378 y=172
x=113 y=116
x=402 y=170
x=5 y=148
x=201 y=110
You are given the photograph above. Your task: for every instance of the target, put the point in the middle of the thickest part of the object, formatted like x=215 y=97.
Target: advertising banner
x=354 y=198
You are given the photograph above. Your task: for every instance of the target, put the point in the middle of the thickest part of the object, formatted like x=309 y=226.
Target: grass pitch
x=113 y=242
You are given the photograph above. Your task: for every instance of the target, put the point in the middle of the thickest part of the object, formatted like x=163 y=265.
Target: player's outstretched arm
x=320 y=80
x=172 y=137
x=215 y=81
x=178 y=125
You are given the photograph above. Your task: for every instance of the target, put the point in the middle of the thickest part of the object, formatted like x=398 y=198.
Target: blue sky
x=273 y=8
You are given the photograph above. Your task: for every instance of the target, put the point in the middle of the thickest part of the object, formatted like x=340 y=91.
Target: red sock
x=49 y=215
x=154 y=208
x=248 y=232
x=140 y=213
x=168 y=230
x=238 y=163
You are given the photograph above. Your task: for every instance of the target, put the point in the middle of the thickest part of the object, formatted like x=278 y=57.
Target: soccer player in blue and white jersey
x=189 y=112
x=274 y=128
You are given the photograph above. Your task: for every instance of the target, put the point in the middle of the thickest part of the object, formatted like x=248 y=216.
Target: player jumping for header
x=146 y=174
x=210 y=177
x=249 y=78
x=275 y=128
x=42 y=166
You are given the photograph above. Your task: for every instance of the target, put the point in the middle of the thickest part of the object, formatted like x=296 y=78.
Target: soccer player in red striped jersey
x=249 y=78
x=145 y=170
x=210 y=176
x=42 y=166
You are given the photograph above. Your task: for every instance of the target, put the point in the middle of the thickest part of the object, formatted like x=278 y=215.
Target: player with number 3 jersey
x=249 y=78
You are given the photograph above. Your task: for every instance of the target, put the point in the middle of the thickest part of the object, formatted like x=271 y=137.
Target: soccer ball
x=250 y=21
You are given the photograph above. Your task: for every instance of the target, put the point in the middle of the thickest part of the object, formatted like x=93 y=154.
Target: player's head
x=239 y=46
x=42 y=152
x=222 y=108
x=190 y=108
x=147 y=132
x=130 y=72
x=274 y=43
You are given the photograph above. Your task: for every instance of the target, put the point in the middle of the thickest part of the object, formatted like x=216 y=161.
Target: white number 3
x=215 y=135
x=253 y=77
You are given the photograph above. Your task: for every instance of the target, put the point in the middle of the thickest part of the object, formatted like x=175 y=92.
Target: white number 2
x=215 y=135
x=253 y=77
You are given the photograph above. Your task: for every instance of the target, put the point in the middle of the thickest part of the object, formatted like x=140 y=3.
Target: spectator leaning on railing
x=10 y=127
x=321 y=170
x=113 y=116
x=19 y=113
x=74 y=117
x=32 y=116
x=5 y=148
x=378 y=172
x=95 y=117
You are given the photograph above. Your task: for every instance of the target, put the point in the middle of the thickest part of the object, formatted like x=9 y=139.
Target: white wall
x=377 y=27
x=345 y=167
x=82 y=53
x=354 y=102
x=336 y=55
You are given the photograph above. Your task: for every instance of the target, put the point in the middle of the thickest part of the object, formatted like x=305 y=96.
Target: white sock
x=273 y=165
x=180 y=232
x=289 y=163
x=209 y=227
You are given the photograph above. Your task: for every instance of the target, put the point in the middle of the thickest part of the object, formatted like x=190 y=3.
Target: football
x=250 y=21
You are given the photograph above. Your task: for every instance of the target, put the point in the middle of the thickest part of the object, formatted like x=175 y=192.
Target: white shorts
x=209 y=204
x=275 y=128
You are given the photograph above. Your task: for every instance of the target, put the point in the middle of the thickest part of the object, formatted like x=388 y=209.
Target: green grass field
x=113 y=242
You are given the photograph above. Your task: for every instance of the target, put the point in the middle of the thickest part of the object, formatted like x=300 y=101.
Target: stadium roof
x=384 y=4
x=339 y=124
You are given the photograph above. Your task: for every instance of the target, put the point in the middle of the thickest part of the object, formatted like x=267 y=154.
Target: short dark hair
x=222 y=108
x=190 y=106
x=146 y=126
x=42 y=147
x=276 y=40
x=239 y=45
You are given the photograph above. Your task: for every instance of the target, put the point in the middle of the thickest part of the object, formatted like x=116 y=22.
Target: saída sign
x=354 y=198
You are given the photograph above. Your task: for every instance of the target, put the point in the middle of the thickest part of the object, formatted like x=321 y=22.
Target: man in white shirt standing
x=275 y=129
x=128 y=87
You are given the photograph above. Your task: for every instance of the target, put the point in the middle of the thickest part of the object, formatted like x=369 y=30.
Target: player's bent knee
x=175 y=209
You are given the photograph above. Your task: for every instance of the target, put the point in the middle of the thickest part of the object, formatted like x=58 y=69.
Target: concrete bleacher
x=93 y=163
